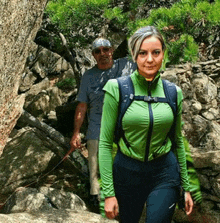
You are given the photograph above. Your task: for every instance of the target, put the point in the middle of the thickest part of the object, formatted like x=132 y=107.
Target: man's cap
x=100 y=42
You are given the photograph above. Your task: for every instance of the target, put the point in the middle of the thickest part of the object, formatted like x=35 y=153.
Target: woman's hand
x=111 y=207
x=188 y=203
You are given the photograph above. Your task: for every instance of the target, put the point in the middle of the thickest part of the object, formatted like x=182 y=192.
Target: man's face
x=103 y=57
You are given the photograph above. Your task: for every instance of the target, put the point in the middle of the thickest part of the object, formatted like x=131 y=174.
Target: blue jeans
x=155 y=183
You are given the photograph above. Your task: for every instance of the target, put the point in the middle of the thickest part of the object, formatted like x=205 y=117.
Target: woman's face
x=150 y=57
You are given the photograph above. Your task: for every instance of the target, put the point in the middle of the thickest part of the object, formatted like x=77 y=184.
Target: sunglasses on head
x=104 y=50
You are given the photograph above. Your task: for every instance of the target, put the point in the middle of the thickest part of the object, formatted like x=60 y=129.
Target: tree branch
x=72 y=60
x=77 y=160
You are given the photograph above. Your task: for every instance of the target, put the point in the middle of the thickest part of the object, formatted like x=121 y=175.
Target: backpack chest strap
x=148 y=99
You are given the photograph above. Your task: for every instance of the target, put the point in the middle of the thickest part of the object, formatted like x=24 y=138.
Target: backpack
x=126 y=96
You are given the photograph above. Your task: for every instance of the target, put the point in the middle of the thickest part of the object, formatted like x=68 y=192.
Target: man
x=90 y=99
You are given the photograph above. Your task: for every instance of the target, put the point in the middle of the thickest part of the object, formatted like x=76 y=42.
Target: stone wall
x=200 y=84
x=19 y=23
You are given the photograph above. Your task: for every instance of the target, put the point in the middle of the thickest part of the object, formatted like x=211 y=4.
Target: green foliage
x=214 y=14
x=183 y=50
x=193 y=178
x=165 y=60
x=116 y=17
x=184 y=25
x=115 y=12
x=68 y=83
x=76 y=19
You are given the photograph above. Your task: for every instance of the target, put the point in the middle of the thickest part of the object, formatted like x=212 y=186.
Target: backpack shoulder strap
x=171 y=95
x=126 y=94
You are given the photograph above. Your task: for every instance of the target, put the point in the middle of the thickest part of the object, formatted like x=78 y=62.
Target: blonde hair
x=135 y=41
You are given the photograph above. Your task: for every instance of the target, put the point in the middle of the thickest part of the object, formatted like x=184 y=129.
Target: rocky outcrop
x=48 y=205
x=30 y=154
x=50 y=86
x=55 y=216
x=201 y=115
x=19 y=23
x=32 y=199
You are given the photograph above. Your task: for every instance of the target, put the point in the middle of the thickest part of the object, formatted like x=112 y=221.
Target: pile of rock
x=201 y=115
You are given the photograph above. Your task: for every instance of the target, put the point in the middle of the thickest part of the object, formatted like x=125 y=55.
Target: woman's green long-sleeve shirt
x=135 y=124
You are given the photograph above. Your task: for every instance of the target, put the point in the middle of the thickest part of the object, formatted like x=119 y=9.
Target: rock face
x=20 y=166
x=19 y=23
x=29 y=155
x=55 y=216
x=31 y=199
x=201 y=115
x=48 y=205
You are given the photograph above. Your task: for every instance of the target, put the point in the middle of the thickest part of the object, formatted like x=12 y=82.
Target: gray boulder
x=44 y=198
x=55 y=216
x=24 y=158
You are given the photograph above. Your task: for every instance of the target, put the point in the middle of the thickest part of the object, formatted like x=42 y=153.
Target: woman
x=146 y=171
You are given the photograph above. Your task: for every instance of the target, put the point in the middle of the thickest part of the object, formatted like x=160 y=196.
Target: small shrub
x=185 y=25
x=184 y=49
x=68 y=83
x=193 y=178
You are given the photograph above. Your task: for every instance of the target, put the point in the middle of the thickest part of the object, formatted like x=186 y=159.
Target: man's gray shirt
x=91 y=92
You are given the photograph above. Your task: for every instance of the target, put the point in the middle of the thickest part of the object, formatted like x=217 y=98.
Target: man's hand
x=111 y=207
x=75 y=142
x=188 y=203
